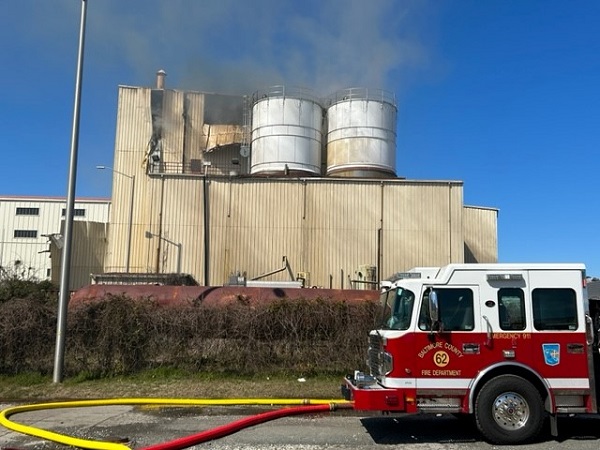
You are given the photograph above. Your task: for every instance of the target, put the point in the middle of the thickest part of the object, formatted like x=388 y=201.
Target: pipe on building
x=206 y=224
x=160 y=79
x=286 y=265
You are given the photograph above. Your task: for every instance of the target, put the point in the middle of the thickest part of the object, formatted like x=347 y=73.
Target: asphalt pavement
x=141 y=426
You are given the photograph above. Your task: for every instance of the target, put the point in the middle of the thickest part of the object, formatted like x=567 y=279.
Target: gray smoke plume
x=237 y=47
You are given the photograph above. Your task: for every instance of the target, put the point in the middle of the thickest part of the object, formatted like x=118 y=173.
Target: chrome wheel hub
x=510 y=411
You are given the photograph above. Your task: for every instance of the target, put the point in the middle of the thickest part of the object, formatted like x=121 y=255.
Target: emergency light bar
x=504 y=277
x=403 y=276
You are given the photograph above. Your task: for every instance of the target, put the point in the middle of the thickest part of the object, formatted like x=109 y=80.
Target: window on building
x=77 y=212
x=28 y=211
x=48 y=273
x=25 y=234
x=511 y=308
x=554 y=309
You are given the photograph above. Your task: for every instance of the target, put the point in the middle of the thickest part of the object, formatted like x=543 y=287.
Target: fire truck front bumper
x=368 y=395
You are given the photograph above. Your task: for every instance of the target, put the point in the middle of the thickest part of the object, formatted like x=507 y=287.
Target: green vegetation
x=153 y=384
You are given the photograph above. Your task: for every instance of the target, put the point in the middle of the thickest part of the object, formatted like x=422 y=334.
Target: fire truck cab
x=510 y=344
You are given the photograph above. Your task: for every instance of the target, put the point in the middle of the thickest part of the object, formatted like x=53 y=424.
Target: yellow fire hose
x=103 y=445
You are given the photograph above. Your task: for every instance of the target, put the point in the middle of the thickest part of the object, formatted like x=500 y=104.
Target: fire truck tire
x=509 y=410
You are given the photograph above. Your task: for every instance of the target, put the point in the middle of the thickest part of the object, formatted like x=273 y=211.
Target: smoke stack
x=160 y=79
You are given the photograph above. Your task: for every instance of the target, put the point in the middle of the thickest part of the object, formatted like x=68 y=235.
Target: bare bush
x=114 y=336
x=27 y=334
x=118 y=335
x=18 y=282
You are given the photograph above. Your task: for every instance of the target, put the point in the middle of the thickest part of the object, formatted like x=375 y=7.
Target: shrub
x=16 y=284
x=27 y=335
x=118 y=335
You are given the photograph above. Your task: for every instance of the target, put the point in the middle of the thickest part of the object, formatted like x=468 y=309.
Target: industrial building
x=278 y=186
x=29 y=224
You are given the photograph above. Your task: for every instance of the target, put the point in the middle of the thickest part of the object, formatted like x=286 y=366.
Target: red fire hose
x=238 y=425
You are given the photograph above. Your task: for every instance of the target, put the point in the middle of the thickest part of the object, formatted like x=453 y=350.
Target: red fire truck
x=509 y=344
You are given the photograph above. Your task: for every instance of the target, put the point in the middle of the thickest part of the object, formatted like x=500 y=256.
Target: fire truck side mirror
x=434 y=311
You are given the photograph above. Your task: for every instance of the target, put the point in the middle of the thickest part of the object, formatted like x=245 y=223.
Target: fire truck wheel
x=509 y=410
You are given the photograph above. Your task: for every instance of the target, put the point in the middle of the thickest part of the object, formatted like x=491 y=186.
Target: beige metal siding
x=481 y=234
x=327 y=227
x=182 y=142
x=253 y=224
x=340 y=229
x=172 y=130
x=422 y=225
x=89 y=244
x=134 y=130
x=89 y=248
x=180 y=223
x=192 y=121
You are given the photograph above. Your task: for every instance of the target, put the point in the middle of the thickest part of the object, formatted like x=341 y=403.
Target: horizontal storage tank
x=287 y=134
x=361 y=137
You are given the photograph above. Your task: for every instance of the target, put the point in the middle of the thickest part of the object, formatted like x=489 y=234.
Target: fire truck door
x=505 y=323
x=447 y=351
x=560 y=347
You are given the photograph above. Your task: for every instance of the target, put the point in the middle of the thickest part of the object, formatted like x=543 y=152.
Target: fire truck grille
x=375 y=352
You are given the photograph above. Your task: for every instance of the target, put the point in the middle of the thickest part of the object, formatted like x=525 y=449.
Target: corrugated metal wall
x=193 y=119
x=253 y=224
x=89 y=248
x=326 y=227
x=422 y=225
x=341 y=219
x=134 y=129
x=481 y=234
x=172 y=122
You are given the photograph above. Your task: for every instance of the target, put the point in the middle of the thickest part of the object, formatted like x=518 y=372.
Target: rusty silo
x=361 y=137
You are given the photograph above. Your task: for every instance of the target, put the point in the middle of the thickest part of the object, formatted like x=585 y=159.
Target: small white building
x=27 y=224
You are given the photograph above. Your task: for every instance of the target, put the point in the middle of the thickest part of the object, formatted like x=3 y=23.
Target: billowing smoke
x=237 y=47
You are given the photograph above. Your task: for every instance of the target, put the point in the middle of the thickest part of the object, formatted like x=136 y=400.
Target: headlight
x=388 y=363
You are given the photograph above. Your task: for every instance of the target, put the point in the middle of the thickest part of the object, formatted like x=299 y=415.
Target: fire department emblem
x=551 y=354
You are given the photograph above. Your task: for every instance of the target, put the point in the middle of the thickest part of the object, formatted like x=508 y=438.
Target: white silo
x=286 y=133
x=361 y=137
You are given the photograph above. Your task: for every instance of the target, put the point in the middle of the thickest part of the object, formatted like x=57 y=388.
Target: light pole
x=150 y=235
x=132 y=178
x=65 y=264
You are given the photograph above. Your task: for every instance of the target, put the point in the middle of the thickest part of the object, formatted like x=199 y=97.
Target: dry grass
x=14 y=389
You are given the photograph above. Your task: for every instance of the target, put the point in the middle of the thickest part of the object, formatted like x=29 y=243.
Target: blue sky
x=503 y=95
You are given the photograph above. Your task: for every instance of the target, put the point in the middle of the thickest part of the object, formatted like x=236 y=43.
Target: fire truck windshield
x=397 y=305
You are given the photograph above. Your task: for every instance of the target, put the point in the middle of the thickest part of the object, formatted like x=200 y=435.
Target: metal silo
x=361 y=137
x=286 y=133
